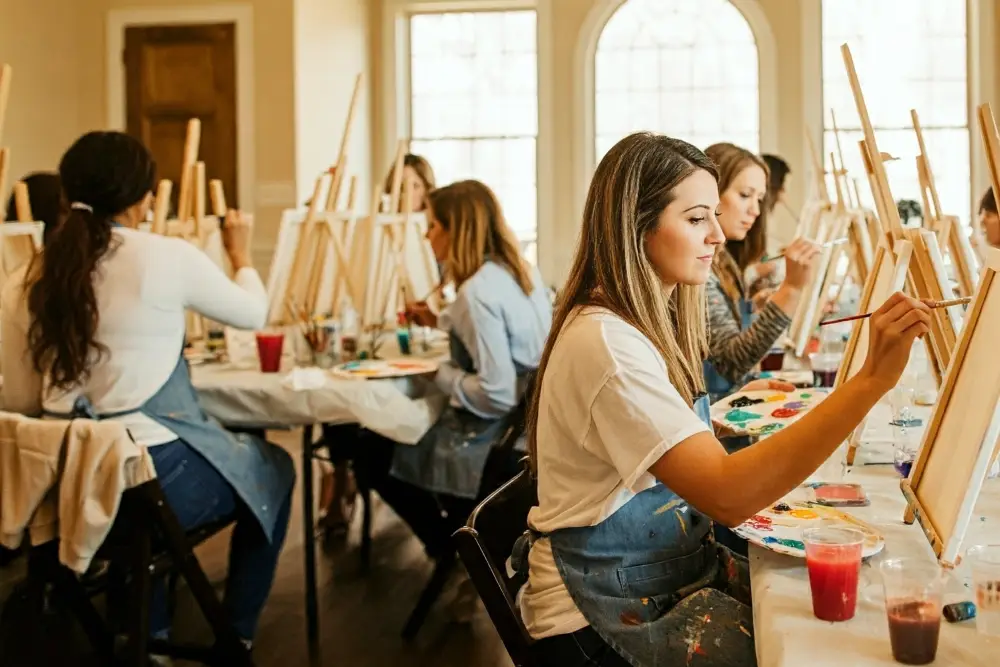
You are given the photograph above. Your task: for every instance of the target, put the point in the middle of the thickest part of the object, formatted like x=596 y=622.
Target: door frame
x=239 y=14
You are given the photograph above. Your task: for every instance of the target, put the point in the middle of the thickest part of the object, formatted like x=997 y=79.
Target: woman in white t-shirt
x=622 y=568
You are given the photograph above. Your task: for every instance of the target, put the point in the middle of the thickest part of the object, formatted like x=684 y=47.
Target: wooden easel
x=922 y=280
x=947 y=227
x=326 y=230
x=404 y=267
x=962 y=439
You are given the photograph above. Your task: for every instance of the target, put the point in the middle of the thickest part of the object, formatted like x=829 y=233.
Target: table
x=788 y=634
x=402 y=409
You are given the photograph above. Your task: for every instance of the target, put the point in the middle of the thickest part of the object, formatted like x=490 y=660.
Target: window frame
x=396 y=95
x=973 y=89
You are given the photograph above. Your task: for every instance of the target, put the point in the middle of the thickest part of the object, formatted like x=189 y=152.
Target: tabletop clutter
x=339 y=345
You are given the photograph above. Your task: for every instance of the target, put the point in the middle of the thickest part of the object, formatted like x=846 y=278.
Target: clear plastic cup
x=833 y=559
x=824 y=367
x=984 y=561
x=913 y=596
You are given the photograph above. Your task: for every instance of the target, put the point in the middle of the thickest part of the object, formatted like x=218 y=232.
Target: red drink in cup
x=833 y=558
x=269 y=347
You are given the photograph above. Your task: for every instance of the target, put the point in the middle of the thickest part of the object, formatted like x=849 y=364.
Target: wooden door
x=175 y=73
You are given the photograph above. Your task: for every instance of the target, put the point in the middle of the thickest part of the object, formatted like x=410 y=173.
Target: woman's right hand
x=891 y=332
x=799 y=262
x=236 y=239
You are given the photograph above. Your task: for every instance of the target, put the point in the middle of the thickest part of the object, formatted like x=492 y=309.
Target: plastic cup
x=269 y=348
x=913 y=592
x=833 y=559
x=824 y=367
x=774 y=361
x=984 y=561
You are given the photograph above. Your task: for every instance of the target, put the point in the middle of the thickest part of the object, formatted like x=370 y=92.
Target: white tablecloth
x=400 y=409
x=787 y=633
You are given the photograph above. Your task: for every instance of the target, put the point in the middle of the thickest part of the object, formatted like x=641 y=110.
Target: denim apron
x=258 y=471
x=451 y=456
x=652 y=582
x=719 y=387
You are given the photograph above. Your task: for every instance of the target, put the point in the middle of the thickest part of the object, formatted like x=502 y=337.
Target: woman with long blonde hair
x=738 y=340
x=622 y=568
x=497 y=327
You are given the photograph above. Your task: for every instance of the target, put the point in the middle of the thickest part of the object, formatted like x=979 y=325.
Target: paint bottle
x=403 y=333
x=959 y=611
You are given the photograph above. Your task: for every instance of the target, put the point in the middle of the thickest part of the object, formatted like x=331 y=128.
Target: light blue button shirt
x=503 y=331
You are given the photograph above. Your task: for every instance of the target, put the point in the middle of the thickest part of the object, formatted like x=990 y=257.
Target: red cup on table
x=833 y=559
x=269 y=347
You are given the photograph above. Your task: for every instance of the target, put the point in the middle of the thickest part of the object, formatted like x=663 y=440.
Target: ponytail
x=62 y=300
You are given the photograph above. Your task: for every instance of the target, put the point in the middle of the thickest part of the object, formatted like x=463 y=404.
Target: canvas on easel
x=962 y=438
x=19 y=243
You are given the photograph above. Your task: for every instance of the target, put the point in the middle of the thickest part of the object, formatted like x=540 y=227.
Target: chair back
x=501 y=463
x=485 y=544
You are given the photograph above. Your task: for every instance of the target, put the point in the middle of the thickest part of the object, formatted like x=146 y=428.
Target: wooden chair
x=499 y=468
x=146 y=542
x=485 y=544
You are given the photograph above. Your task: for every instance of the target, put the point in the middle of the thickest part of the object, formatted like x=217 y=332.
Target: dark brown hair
x=778 y=171
x=420 y=165
x=478 y=231
x=103 y=174
x=988 y=204
x=45 y=195
x=631 y=187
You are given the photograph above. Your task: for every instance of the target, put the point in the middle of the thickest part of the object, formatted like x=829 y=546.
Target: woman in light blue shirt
x=497 y=328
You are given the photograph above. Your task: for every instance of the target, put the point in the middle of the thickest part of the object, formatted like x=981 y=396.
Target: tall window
x=683 y=68
x=474 y=105
x=910 y=54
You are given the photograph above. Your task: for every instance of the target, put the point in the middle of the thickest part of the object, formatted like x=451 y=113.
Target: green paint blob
x=769 y=428
x=740 y=416
x=805 y=395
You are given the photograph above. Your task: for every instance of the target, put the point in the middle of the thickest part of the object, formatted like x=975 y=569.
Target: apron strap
x=84 y=409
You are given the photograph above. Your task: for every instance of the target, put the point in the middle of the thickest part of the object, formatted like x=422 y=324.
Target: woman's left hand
x=766 y=384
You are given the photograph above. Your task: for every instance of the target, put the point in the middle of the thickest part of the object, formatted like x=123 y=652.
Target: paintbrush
x=828 y=244
x=937 y=304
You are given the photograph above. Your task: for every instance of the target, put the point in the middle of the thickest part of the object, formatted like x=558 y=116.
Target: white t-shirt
x=143 y=286
x=607 y=413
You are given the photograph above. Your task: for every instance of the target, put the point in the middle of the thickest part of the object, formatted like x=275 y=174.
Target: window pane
x=909 y=54
x=474 y=104
x=687 y=69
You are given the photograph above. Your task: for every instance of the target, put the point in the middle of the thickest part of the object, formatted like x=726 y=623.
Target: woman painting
x=623 y=567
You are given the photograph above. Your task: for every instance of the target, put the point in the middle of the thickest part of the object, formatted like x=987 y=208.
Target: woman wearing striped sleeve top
x=737 y=341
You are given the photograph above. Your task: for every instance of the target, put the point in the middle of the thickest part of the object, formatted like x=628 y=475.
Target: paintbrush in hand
x=937 y=304
x=825 y=245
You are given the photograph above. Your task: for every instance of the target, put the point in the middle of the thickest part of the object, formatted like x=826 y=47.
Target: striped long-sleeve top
x=731 y=350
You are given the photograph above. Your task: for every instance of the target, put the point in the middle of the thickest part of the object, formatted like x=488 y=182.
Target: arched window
x=910 y=54
x=686 y=69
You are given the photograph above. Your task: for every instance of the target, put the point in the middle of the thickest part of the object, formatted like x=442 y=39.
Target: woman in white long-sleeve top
x=497 y=327
x=95 y=328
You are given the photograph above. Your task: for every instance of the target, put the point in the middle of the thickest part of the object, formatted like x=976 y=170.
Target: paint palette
x=763 y=412
x=377 y=369
x=779 y=527
x=801 y=379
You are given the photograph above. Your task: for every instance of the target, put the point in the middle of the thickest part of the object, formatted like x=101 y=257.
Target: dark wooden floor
x=360 y=615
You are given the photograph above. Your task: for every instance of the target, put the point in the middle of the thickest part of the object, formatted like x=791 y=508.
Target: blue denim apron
x=261 y=473
x=650 y=578
x=451 y=456
x=719 y=387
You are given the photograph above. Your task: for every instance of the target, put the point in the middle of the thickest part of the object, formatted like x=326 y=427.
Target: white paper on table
x=241 y=346
x=305 y=379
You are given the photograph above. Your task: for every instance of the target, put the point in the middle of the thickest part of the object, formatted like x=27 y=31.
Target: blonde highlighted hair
x=631 y=187
x=478 y=231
